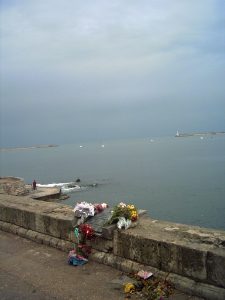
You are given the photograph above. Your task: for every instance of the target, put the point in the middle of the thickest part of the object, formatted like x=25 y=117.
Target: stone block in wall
x=17 y=216
x=46 y=240
x=7 y=227
x=53 y=226
x=53 y=242
x=101 y=244
x=40 y=224
x=216 y=267
x=64 y=227
x=107 y=231
x=169 y=257
x=32 y=235
x=6 y=214
x=183 y=259
x=27 y=219
x=192 y=262
x=22 y=232
x=139 y=249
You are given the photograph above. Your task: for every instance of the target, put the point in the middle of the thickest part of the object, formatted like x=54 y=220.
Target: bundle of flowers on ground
x=123 y=215
x=76 y=259
x=148 y=286
x=79 y=255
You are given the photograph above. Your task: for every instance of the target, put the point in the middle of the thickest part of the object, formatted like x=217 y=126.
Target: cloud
x=121 y=60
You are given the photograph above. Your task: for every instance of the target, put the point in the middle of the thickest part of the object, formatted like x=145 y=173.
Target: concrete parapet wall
x=193 y=257
x=45 y=217
x=189 y=251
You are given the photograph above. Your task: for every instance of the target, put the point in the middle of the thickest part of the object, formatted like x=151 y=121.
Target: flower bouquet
x=123 y=215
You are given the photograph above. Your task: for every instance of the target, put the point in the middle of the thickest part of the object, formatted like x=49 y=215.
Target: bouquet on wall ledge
x=124 y=215
x=84 y=210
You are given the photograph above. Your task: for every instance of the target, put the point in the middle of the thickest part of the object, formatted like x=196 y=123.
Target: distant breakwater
x=199 y=133
x=28 y=147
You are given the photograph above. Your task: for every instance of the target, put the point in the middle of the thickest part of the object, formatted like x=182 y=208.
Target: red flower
x=87 y=231
x=98 y=208
x=134 y=218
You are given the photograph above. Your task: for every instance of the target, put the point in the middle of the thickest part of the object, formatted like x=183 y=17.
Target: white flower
x=123 y=223
x=104 y=205
x=122 y=205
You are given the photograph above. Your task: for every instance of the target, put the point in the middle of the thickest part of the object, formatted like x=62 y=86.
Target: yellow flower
x=129 y=288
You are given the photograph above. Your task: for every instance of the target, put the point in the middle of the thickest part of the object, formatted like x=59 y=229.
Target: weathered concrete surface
x=44 y=194
x=32 y=271
x=45 y=217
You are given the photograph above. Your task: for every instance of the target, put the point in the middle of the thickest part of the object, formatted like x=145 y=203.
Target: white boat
x=69 y=188
x=177 y=134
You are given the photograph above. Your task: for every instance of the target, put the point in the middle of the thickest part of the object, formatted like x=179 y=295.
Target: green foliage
x=118 y=212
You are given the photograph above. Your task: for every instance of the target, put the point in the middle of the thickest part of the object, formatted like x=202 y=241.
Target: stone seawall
x=192 y=257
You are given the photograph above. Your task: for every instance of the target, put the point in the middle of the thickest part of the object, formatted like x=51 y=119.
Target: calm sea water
x=176 y=179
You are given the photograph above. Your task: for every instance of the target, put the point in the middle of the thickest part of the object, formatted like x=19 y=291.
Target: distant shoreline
x=28 y=147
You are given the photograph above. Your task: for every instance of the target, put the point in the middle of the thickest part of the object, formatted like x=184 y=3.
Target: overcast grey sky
x=74 y=71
